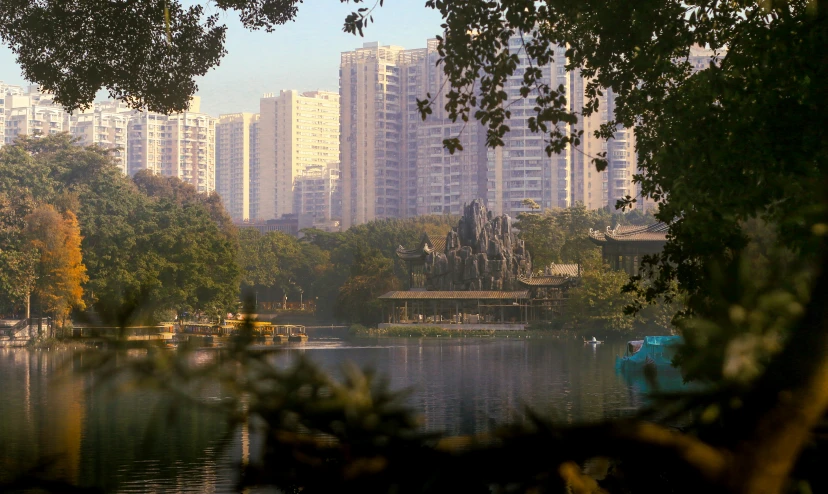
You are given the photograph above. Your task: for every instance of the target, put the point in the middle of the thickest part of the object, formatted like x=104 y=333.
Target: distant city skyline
x=302 y=55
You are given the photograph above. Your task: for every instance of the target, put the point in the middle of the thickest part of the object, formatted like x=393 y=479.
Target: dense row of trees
x=561 y=235
x=597 y=305
x=77 y=233
x=342 y=271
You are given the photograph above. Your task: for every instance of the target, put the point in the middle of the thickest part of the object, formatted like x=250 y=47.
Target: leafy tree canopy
x=146 y=53
x=60 y=271
x=149 y=247
x=561 y=235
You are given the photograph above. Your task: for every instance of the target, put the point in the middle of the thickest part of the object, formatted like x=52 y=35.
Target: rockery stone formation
x=482 y=253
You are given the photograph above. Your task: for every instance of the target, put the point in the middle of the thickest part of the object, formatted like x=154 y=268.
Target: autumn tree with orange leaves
x=60 y=270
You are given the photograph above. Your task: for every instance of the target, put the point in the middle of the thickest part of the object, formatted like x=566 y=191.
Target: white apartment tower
x=522 y=170
x=315 y=192
x=296 y=130
x=31 y=113
x=254 y=167
x=370 y=95
x=393 y=163
x=233 y=155
x=180 y=145
x=588 y=186
x=105 y=124
x=443 y=182
x=7 y=92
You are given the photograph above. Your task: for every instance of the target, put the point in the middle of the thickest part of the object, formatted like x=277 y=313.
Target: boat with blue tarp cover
x=658 y=350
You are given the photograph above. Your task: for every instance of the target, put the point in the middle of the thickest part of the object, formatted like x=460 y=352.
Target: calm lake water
x=460 y=386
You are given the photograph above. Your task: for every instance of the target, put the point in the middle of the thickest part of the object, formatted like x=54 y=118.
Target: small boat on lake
x=294 y=333
x=298 y=335
x=652 y=350
x=593 y=341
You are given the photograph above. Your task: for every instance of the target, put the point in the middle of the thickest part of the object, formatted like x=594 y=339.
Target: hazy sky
x=300 y=55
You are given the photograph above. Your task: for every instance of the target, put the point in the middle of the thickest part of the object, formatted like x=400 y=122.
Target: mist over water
x=458 y=385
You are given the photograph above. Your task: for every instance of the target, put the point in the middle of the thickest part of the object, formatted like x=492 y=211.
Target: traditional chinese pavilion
x=548 y=292
x=624 y=246
x=480 y=274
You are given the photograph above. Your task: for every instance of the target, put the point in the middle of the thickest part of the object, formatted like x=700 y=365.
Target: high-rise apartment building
x=316 y=192
x=254 y=167
x=393 y=162
x=180 y=145
x=31 y=113
x=233 y=153
x=416 y=77
x=442 y=182
x=27 y=111
x=522 y=169
x=296 y=130
x=700 y=58
x=371 y=118
x=105 y=124
x=6 y=93
x=448 y=181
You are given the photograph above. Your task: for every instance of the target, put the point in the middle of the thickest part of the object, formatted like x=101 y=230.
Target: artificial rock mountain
x=481 y=253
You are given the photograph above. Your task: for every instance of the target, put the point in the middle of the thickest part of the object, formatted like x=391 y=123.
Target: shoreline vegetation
x=426 y=331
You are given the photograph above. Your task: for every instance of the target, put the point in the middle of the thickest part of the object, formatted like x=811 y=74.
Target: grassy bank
x=534 y=331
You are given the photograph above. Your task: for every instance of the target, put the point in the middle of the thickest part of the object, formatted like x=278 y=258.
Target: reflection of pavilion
x=456 y=307
x=624 y=247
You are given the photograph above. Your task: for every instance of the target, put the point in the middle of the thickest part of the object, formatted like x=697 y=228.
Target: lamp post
x=301 y=303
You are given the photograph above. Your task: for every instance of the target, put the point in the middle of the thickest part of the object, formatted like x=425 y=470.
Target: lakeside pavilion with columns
x=535 y=297
x=624 y=247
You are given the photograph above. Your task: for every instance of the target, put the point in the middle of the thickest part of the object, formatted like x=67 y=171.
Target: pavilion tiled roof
x=455 y=295
x=427 y=246
x=562 y=270
x=657 y=232
x=438 y=244
x=548 y=281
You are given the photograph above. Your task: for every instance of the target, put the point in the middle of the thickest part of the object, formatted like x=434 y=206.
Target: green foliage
x=282 y=262
x=17 y=263
x=340 y=282
x=716 y=147
x=75 y=50
x=560 y=235
x=372 y=274
x=597 y=304
x=746 y=318
x=148 y=249
x=260 y=255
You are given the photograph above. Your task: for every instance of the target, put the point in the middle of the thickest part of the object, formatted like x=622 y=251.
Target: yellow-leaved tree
x=60 y=270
